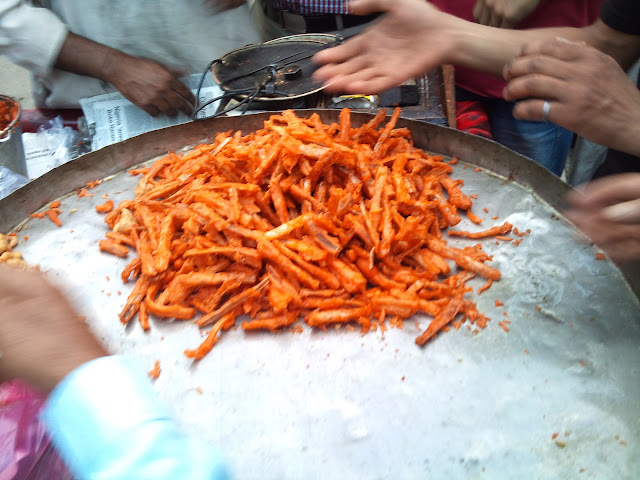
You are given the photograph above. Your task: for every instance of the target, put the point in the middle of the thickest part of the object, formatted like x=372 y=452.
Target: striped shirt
x=310 y=7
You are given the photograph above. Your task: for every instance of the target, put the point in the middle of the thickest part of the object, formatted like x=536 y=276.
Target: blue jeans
x=545 y=142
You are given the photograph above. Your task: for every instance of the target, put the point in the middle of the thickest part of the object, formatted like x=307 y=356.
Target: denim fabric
x=545 y=142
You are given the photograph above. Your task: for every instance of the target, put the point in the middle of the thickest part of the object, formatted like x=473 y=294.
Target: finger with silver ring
x=546 y=108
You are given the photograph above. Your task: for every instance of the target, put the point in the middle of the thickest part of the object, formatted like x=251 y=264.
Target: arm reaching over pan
x=102 y=413
x=552 y=74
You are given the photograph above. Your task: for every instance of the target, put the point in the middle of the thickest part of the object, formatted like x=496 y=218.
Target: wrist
x=111 y=65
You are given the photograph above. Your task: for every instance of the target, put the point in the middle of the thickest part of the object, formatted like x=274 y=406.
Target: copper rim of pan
x=7 y=99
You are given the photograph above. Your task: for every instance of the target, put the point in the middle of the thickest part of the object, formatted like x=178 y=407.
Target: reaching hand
x=41 y=338
x=503 y=13
x=607 y=210
x=149 y=85
x=588 y=92
x=403 y=44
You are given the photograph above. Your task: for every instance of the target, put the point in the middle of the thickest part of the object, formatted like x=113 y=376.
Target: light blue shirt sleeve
x=107 y=423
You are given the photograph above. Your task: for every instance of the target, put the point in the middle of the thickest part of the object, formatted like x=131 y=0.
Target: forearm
x=85 y=57
x=489 y=49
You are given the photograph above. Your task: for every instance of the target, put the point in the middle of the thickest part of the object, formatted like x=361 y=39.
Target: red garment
x=471 y=117
x=549 y=13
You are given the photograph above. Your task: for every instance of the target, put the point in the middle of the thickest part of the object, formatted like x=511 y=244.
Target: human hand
x=402 y=44
x=149 y=85
x=41 y=338
x=221 y=5
x=503 y=13
x=588 y=92
x=607 y=210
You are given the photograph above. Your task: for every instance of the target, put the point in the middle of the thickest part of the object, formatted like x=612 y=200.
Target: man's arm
x=414 y=37
x=37 y=40
x=149 y=85
x=103 y=414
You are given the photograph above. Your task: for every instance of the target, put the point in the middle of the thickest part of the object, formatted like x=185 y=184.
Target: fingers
x=607 y=191
x=536 y=63
x=559 y=47
x=186 y=100
x=625 y=212
x=621 y=242
x=534 y=85
x=348 y=50
x=349 y=67
x=534 y=110
x=481 y=13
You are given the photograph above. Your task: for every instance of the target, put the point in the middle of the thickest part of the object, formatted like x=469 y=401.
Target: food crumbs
x=623 y=443
x=486 y=210
x=554 y=436
x=402 y=378
x=495 y=217
x=498 y=303
x=538 y=308
x=155 y=371
x=477 y=169
x=199 y=390
x=561 y=444
x=526 y=351
x=581 y=362
x=600 y=256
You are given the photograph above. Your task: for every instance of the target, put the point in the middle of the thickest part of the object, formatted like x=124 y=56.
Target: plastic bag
x=10 y=181
x=27 y=452
x=61 y=141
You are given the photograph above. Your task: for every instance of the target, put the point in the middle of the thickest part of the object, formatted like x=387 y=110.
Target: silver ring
x=546 y=107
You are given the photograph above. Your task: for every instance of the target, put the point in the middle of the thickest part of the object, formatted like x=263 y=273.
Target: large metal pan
x=340 y=405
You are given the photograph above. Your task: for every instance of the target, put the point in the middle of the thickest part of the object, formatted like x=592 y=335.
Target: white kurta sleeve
x=107 y=423
x=30 y=37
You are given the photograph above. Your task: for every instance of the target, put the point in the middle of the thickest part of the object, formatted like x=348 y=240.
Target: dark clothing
x=623 y=16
